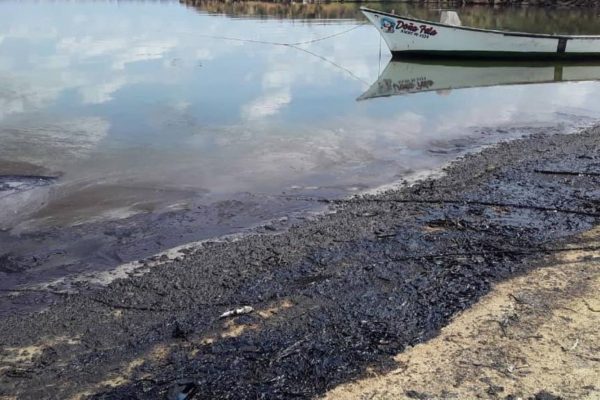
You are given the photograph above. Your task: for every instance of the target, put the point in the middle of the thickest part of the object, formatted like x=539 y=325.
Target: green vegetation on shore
x=472 y=13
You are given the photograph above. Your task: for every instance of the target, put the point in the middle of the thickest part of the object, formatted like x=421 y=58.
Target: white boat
x=414 y=37
x=405 y=77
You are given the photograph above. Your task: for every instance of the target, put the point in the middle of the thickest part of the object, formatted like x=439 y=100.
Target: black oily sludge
x=327 y=299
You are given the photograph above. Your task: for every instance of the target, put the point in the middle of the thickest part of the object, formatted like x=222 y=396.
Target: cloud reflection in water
x=140 y=95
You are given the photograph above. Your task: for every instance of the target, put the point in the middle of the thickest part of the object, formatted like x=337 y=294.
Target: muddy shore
x=332 y=299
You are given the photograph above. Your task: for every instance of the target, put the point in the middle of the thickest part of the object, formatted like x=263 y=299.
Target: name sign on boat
x=389 y=25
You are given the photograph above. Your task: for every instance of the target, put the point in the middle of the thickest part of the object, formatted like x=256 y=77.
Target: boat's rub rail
x=492 y=55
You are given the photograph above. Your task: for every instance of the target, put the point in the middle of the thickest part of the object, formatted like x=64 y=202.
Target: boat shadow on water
x=420 y=75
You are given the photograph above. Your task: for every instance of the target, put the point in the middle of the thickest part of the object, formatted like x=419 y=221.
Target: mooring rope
x=283 y=43
x=328 y=37
x=379 y=68
x=332 y=63
x=297 y=45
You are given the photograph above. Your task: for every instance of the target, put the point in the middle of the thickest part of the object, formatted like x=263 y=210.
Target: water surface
x=126 y=109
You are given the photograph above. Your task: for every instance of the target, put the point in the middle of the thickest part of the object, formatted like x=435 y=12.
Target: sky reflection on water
x=139 y=107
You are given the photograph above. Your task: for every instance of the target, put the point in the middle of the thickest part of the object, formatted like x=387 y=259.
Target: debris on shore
x=237 y=311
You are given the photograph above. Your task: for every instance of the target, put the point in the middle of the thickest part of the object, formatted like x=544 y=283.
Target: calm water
x=153 y=106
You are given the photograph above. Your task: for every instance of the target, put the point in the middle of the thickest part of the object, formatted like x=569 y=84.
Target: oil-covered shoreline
x=322 y=302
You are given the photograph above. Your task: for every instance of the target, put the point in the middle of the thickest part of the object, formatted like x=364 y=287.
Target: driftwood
x=499 y=252
x=466 y=203
x=570 y=173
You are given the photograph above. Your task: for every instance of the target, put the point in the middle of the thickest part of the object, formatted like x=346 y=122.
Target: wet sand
x=333 y=299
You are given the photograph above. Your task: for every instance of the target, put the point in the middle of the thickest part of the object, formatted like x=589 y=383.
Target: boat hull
x=407 y=37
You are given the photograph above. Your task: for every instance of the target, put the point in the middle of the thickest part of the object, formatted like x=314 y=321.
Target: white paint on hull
x=403 y=34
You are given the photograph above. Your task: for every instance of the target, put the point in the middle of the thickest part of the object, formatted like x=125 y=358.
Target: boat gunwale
x=494 y=31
